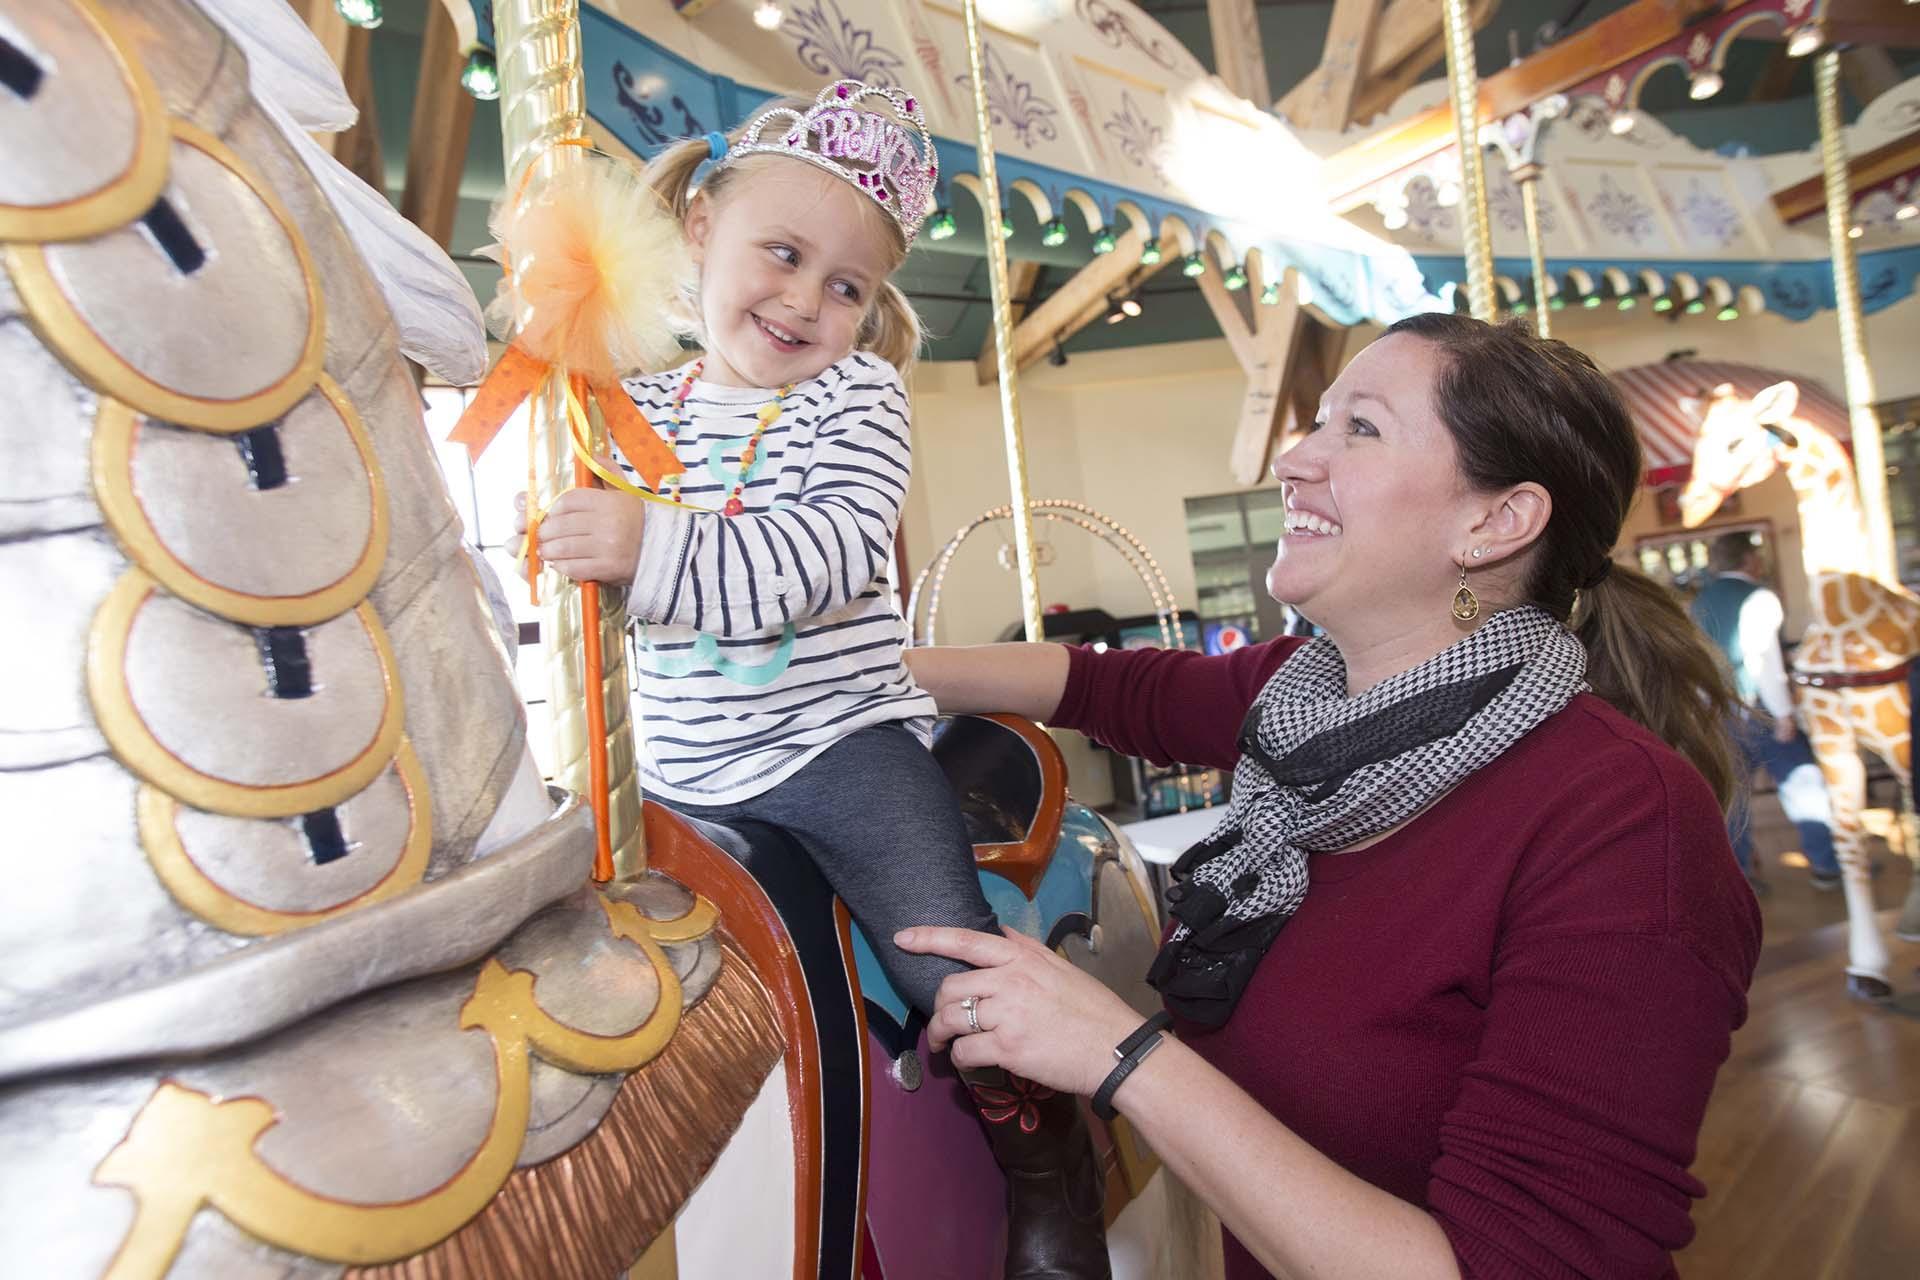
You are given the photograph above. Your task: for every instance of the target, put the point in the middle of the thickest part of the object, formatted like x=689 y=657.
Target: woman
x=1452 y=981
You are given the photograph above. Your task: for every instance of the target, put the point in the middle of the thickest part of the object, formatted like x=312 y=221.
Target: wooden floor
x=1811 y=1148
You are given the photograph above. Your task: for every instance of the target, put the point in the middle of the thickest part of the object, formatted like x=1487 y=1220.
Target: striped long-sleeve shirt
x=768 y=636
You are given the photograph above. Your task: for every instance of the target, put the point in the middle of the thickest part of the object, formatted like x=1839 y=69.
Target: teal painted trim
x=1066 y=888
x=1796 y=290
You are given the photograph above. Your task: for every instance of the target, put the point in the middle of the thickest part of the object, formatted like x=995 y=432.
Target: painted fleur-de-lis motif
x=1012 y=103
x=828 y=43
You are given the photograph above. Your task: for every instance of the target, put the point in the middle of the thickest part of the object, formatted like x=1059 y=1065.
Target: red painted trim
x=843 y=922
x=1025 y=864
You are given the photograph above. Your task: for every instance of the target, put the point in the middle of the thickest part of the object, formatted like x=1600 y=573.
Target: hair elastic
x=716 y=145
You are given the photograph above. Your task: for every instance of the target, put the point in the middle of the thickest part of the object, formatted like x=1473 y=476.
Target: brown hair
x=1728 y=552
x=891 y=329
x=1522 y=408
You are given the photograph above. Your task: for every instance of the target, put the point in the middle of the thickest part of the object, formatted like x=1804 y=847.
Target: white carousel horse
x=303 y=972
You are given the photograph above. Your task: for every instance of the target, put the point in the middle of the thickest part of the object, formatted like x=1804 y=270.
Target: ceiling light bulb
x=361 y=13
x=1150 y=254
x=1193 y=266
x=1855 y=232
x=481 y=76
x=1103 y=241
x=1270 y=296
x=1130 y=305
x=1621 y=123
x=1805 y=40
x=1906 y=211
x=768 y=16
x=1706 y=83
x=1235 y=279
x=941 y=225
x=1054 y=234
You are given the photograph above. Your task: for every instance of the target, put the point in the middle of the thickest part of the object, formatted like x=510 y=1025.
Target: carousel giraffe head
x=1741 y=443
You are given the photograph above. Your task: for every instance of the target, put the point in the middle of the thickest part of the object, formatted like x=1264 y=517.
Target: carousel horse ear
x=1776 y=403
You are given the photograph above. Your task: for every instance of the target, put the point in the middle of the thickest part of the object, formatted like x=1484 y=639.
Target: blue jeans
x=876 y=815
x=1802 y=790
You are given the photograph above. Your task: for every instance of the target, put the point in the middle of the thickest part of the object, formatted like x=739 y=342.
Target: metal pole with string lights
x=1003 y=334
x=1463 y=81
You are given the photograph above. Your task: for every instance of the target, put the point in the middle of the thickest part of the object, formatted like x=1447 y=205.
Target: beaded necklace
x=769 y=414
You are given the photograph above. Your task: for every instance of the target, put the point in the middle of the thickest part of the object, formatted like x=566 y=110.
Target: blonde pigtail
x=892 y=329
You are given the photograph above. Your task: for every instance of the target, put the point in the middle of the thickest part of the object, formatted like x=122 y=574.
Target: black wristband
x=1131 y=1052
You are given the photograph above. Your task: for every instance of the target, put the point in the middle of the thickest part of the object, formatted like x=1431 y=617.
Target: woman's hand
x=590 y=535
x=1039 y=1016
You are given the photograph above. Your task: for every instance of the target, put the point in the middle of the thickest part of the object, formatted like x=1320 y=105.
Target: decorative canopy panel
x=1094 y=106
x=1656 y=393
x=1644 y=206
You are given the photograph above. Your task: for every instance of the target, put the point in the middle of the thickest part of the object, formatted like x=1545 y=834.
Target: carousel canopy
x=1629 y=209
x=1656 y=393
x=1095 y=109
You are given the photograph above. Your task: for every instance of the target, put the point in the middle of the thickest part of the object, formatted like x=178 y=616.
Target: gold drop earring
x=1466 y=605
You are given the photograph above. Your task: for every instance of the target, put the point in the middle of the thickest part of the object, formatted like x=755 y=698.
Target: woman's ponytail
x=1524 y=409
x=1647 y=658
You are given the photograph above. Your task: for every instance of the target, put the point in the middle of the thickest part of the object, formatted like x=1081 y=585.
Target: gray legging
x=878 y=818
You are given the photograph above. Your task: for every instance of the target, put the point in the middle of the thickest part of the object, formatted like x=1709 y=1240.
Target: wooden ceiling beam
x=1238 y=51
x=1874 y=167
x=1021 y=278
x=1865 y=24
x=1346 y=63
x=358 y=147
x=1621 y=35
x=1266 y=342
x=1405 y=41
x=437 y=142
x=1064 y=311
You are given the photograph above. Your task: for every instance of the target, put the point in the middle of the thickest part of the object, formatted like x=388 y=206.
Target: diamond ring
x=971 y=1004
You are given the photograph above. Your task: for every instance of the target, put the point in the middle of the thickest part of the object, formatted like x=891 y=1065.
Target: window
x=1900 y=436
x=1232 y=537
x=1680 y=559
x=483 y=495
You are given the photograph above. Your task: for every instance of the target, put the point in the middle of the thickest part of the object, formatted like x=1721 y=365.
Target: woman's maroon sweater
x=1510 y=1011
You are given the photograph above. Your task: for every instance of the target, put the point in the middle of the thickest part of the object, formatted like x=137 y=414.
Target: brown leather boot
x=1056 y=1198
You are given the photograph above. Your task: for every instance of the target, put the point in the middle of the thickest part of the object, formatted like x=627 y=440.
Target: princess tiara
x=876 y=154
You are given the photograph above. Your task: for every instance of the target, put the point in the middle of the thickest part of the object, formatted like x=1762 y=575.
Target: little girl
x=770 y=678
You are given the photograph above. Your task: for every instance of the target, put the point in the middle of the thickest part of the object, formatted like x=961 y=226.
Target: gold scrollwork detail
x=116 y=430
x=137 y=747
x=199 y=893
x=64 y=329
x=129 y=193
x=224 y=1171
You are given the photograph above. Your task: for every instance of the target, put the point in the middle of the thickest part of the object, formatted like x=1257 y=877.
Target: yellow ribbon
x=582 y=434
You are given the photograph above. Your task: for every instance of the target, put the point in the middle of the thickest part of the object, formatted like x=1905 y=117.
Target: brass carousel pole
x=542 y=120
x=1868 y=458
x=1003 y=335
x=1525 y=177
x=1518 y=137
x=1463 y=79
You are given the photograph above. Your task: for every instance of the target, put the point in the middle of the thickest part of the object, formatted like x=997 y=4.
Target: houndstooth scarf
x=1320 y=771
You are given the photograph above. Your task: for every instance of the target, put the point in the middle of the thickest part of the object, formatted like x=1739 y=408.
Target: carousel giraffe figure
x=1852 y=663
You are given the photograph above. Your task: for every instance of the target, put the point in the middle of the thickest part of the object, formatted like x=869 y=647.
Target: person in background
x=1743 y=617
